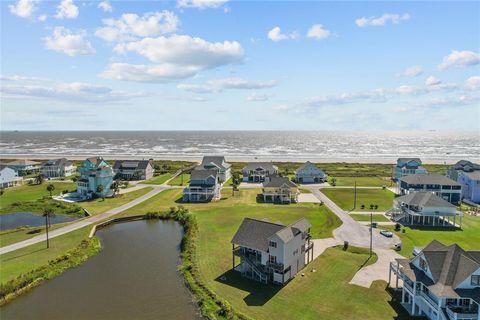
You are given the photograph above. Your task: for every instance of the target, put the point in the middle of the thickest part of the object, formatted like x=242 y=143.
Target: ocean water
x=244 y=145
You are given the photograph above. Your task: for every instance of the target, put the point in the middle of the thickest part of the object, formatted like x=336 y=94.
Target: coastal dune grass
x=361 y=181
x=344 y=198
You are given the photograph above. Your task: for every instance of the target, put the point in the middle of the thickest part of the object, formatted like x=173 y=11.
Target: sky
x=240 y=65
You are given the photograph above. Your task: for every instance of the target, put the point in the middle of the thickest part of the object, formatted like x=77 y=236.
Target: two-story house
x=406 y=166
x=259 y=171
x=470 y=182
x=216 y=163
x=272 y=252
x=440 y=185
x=425 y=208
x=134 y=169
x=24 y=167
x=204 y=186
x=9 y=177
x=462 y=166
x=280 y=190
x=56 y=168
x=310 y=173
x=440 y=283
x=95 y=172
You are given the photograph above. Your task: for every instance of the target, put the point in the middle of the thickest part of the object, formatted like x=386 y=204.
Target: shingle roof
x=424 y=199
x=217 y=160
x=475 y=175
x=63 y=162
x=277 y=182
x=255 y=234
x=404 y=161
x=264 y=165
x=203 y=174
x=462 y=164
x=429 y=178
x=306 y=165
x=131 y=164
x=95 y=160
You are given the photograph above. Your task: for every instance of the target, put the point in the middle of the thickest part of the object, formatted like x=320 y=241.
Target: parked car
x=386 y=233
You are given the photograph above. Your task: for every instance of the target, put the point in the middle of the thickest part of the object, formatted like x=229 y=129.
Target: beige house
x=280 y=190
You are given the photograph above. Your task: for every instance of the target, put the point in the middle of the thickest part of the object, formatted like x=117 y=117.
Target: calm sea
x=245 y=145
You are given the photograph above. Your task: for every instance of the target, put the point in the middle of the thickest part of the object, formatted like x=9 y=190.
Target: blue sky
x=240 y=65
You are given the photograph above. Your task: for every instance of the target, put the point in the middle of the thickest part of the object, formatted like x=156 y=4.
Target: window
x=295 y=252
x=273 y=244
x=272 y=259
x=423 y=264
x=476 y=280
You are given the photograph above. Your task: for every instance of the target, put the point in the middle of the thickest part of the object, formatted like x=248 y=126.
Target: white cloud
x=432 y=81
x=21 y=78
x=69 y=42
x=382 y=20
x=472 y=84
x=346 y=98
x=148 y=73
x=317 y=31
x=131 y=26
x=105 y=6
x=409 y=90
x=459 y=59
x=42 y=18
x=66 y=9
x=436 y=102
x=229 y=83
x=200 y=4
x=23 y=8
x=413 y=71
x=74 y=91
x=276 y=35
x=256 y=96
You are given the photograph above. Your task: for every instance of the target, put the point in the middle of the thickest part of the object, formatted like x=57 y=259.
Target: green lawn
x=304 y=190
x=361 y=181
x=8 y=237
x=102 y=205
x=33 y=192
x=344 y=198
x=366 y=217
x=160 y=179
x=468 y=238
x=178 y=180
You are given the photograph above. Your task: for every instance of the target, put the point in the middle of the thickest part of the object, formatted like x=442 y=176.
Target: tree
x=74 y=179
x=235 y=182
x=100 y=190
x=50 y=188
x=39 y=179
x=115 y=186
x=48 y=213
x=2 y=191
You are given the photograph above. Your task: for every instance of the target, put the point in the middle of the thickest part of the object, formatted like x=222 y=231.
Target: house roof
x=475 y=175
x=62 y=162
x=449 y=266
x=218 y=161
x=202 y=174
x=429 y=178
x=95 y=160
x=424 y=199
x=405 y=161
x=252 y=166
x=255 y=234
x=277 y=181
x=22 y=162
x=131 y=164
x=465 y=165
x=306 y=165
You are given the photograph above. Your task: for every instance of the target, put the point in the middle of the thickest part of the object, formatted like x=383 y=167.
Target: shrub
x=397 y=226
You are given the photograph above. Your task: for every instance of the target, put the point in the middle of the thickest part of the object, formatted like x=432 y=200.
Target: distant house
x=310 y=173
x=95 y=172
x=216 y=163
x=462 y=166
x=259 y=171
x=440 y=282
x=9 y=177
x=468 y=175
x=204 y=186
x=25 y=167
x=440 y=185
x=134 y=169
x=272 y=252
x=407 y=166
x=425 y=208
x=58 y=168
x=280 y=190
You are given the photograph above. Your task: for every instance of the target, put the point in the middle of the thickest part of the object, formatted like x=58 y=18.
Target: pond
x=20 y=219
x=135 y=276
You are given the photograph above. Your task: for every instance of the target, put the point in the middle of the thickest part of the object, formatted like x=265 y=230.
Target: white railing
x=429 y=299
x=463 y=313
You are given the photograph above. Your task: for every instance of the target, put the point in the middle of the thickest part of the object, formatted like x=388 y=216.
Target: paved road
x=82 y=223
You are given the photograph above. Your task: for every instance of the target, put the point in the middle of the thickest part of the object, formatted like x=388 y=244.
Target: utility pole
x=371 y=232
x=355 y=196
x=47 y=221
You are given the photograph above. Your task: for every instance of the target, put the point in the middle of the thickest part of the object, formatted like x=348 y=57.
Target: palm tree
x=100 y=189
x=48 y=213
x=50 y=188
x=39 y=179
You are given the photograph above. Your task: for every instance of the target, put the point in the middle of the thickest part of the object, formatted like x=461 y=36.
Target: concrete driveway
x=307 y=198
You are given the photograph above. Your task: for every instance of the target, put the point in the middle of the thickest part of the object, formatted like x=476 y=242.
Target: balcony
x=275 y=266
x=462 y=312
x=429 y=299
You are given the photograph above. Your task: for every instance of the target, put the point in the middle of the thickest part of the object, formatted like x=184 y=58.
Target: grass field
x=178 y=180
x=102 y=205
x=8 y=237
x=33 y=192
x=160 y=179
x=366 y=217
x=361 y=181
x=344 y=198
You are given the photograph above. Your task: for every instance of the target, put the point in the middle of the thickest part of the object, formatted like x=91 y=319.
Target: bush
x=397 y=226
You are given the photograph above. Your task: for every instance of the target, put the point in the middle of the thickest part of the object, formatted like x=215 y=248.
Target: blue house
x=406 y=166
x=470 y=182
x=95 y=172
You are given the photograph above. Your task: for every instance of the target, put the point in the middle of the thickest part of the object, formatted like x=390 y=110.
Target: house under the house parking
x=272 y=252
x=95 y=172
x=310 y=173
x=9 y=177
x=134 y=169
x=216 y=163
x=440 y=283
x=58 y=168
x=259 y=171
x=406 y=166
x=440 y=185
x=280 y=190
x=24 y=167
x=204 y=186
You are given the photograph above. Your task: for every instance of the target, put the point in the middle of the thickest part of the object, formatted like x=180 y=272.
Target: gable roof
x=277 y=182
x=218 y=161
x=202 y=174
x=475 y=175
x=429 y=178
x=255 y=234
x=95 y=160
x=403 y=161
x=306 y=165
x=62 y=162
x=252 y=166
x=424 y=199
x=465 y=165
x=131 y=164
